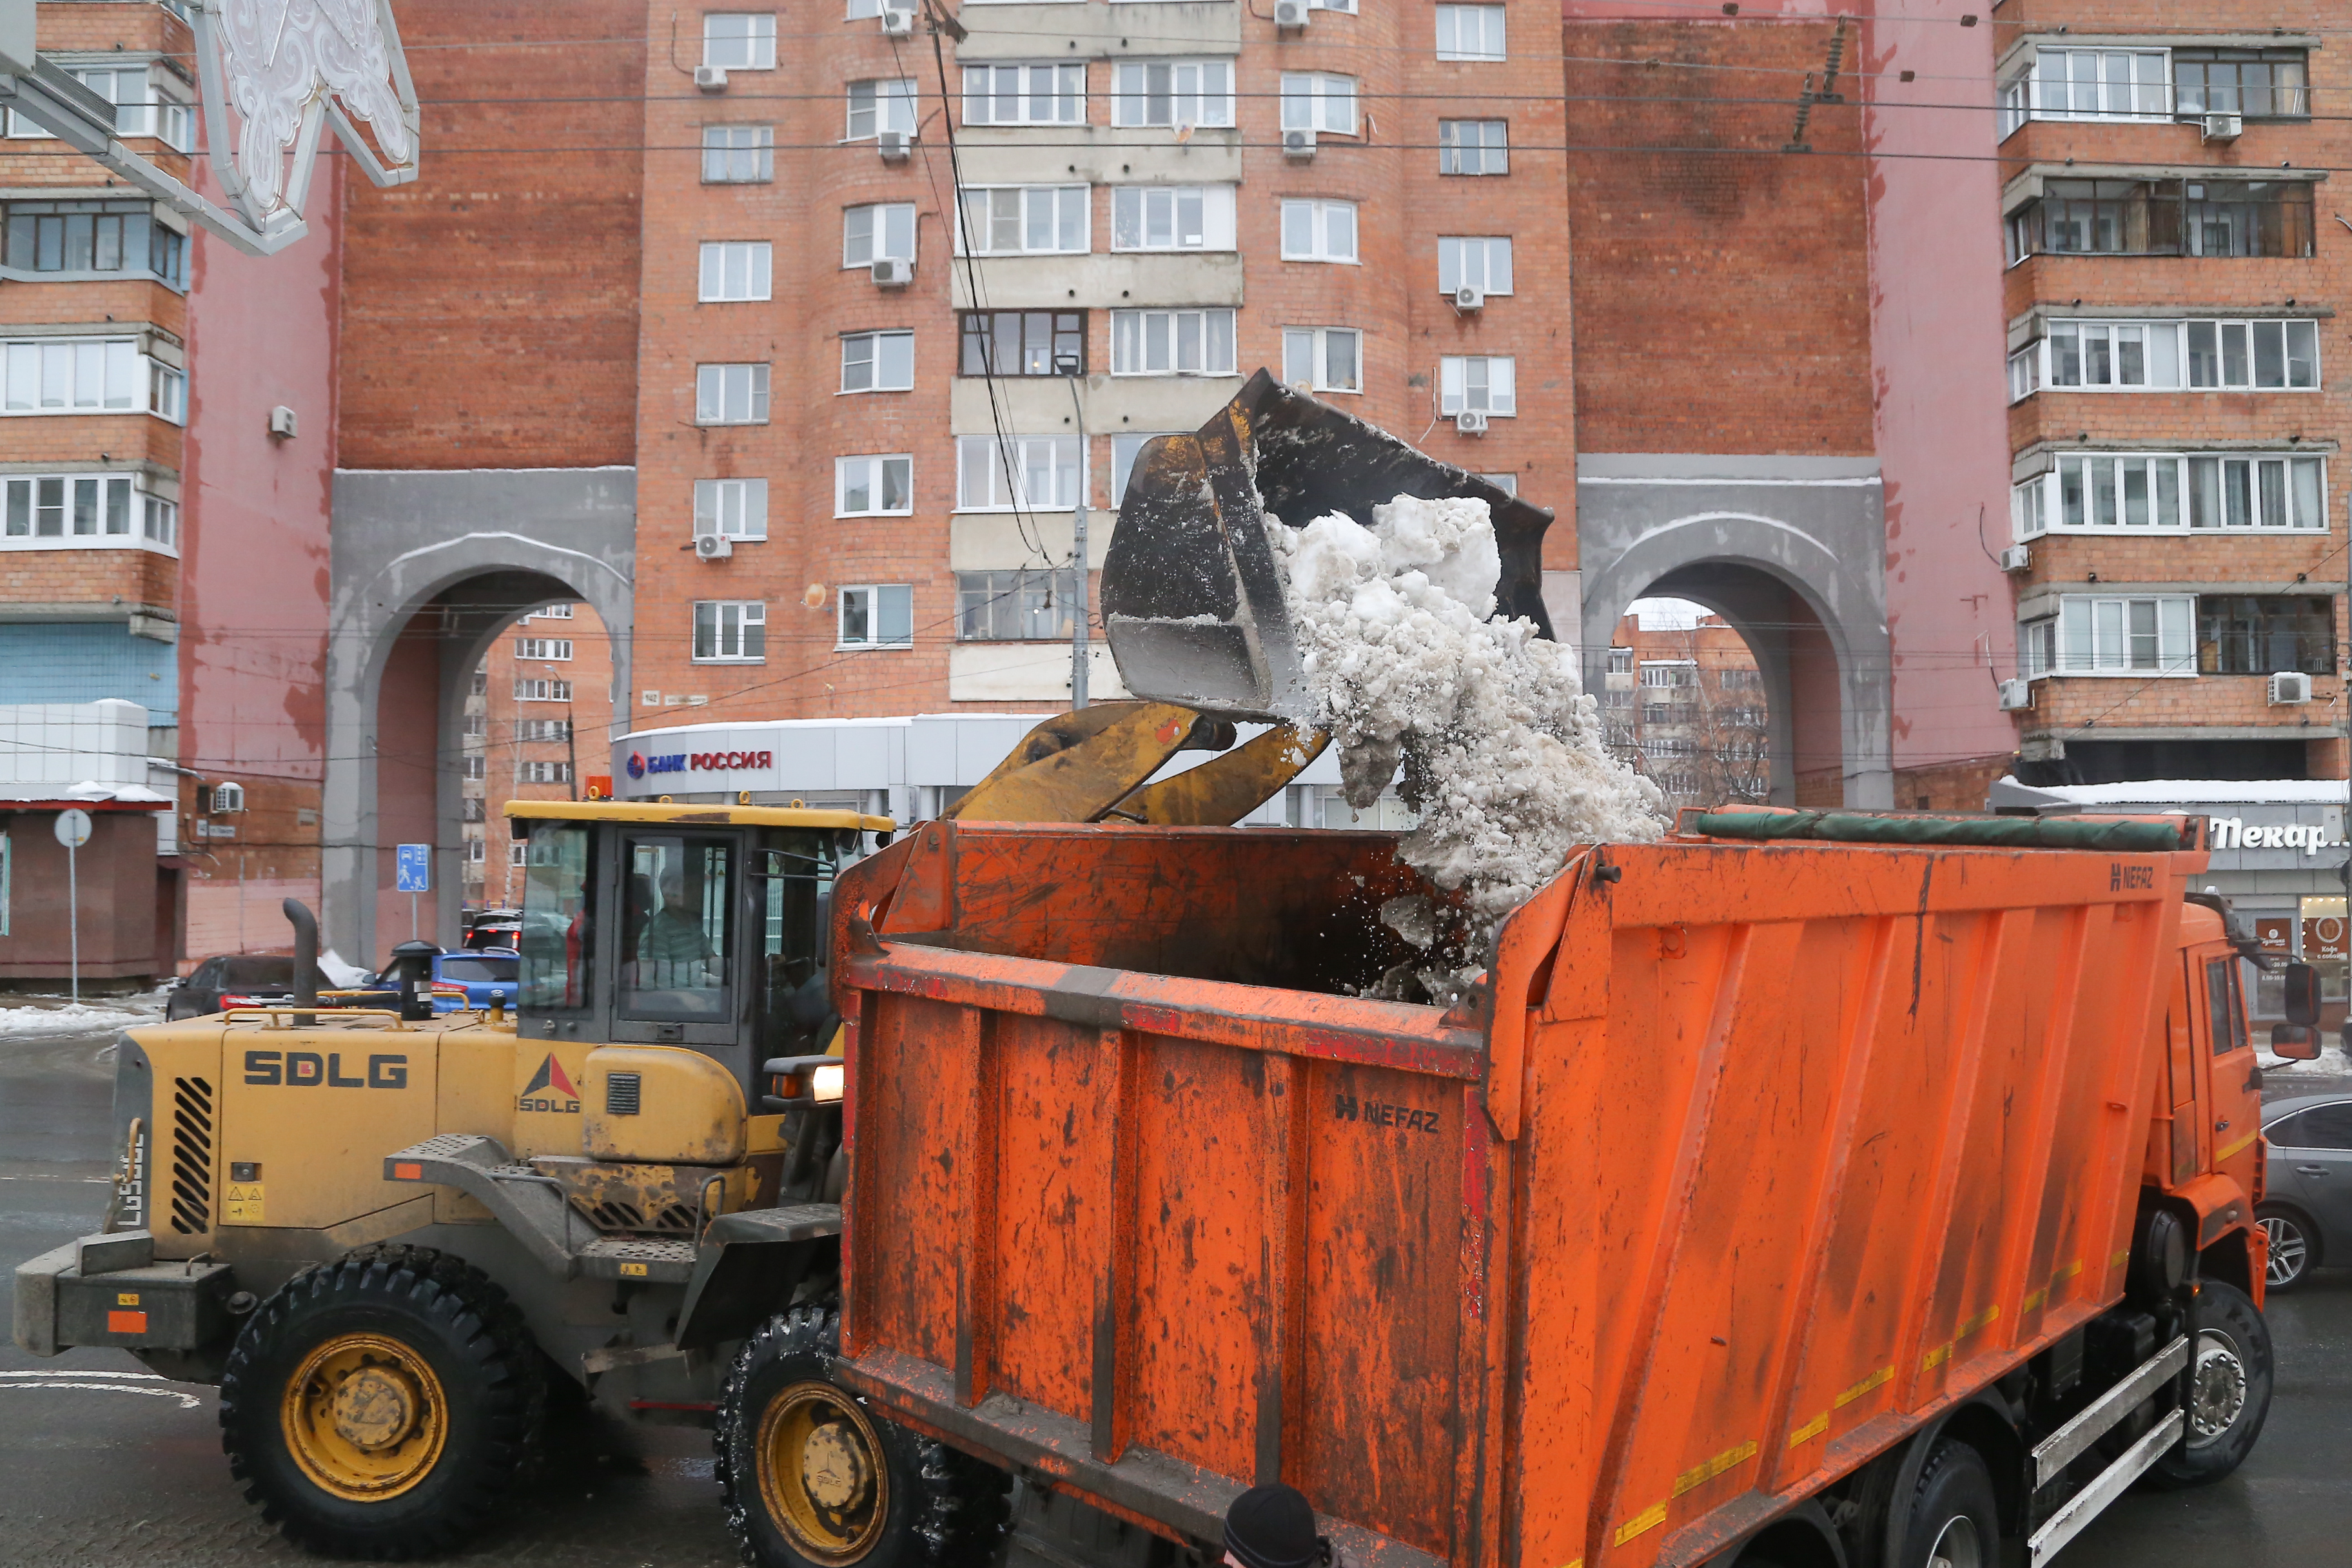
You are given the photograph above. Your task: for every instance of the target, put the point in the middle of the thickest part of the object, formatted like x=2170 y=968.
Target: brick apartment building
x=539 y=715
x=1682 y=700
x=2179 y=395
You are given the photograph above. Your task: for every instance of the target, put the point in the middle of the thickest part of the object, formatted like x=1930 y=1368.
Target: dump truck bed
x=1748 y=1159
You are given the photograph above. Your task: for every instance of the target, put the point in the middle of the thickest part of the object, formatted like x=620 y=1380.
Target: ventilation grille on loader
x=191 y=1156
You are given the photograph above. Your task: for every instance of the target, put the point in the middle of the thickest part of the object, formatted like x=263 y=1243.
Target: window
x=1172 y=93
x=481 y=687
x=1479 y=263
x=540 y=774
x=52 y=511
x=477 y=725
x=167 y=391
x=674 y=930
x=732 y=509
x=2165 y=218
x=1669 y=672
x=2228 y=1017
x=1172 y=218
x=1318 y=100
x=882 y=615
x=550 y=613
x=2263 y=355
x=2246 y=217
x=147 y=102
x=1324 y=359
x=554 y=648
x=1473 y=147
x=2270 y=355
x=1040 y=473
x=731 y=395
x=1470 y=33
x=2321 y=1127
x=2260 y=84
x=1025 y=220
x=1482 y=383
x=1506 y=483
x=878 y=362
x=1025 y=95
x=740 y=40
x=517 y=854
x=878 y=106
x=2115 y=354
x=1171 y=343
x=2100 y=84
x=735 y=269
x=1013 y=606
x=2249 y=635
x=739 y=155
x=729 y=631
x=2089 y=491
x=2093 y=635
x=89 y=375
x=1022 y=343
x=94 y=237
x=1621 y=662
x=874 y=486
x=1124 y=451
x=2024 y=372
x=1318 y=231
x=539 y=690
x=542 y=729
x=885 y=232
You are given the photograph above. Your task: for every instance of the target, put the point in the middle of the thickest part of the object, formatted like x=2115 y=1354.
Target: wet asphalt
x=103 y=1464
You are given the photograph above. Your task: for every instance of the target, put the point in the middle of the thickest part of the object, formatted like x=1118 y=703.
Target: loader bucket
x=1191 y=600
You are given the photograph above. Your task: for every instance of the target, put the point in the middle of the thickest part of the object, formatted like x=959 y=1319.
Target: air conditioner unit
x=892 y=273
x=1469 y=297
x=1290 y=13
x=2016 y=558
x=281 y=422
x=712 y=547
x=897 y=21
x=1470 y=422
x=2226 y=125
x=2289 y=687
x=228 y=799
x=2016 y=695
x=1298 y=143
x=895 y=145
x=710 y=78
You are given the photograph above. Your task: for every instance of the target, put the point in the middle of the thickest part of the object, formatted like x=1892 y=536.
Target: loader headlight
x=824 y=1083
x=819 y=1079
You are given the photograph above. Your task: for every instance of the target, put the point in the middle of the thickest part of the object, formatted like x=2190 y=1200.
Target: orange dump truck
x=1773 y=1200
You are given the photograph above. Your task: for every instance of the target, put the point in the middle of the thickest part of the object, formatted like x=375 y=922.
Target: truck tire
x=382 y=1405
x=2230 y=1386
x=810 y=1478
x=2294 y=1247
x=1954 y=1519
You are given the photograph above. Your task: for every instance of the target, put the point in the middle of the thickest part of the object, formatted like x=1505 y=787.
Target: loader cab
x=682 y=925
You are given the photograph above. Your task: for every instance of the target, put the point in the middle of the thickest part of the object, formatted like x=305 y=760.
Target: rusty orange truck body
x=1752 y=1179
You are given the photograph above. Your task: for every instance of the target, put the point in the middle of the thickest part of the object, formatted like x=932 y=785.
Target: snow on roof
x=2193 y=792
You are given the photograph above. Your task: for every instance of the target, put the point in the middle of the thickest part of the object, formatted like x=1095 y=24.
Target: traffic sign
x=416 y=867
x=73 y=827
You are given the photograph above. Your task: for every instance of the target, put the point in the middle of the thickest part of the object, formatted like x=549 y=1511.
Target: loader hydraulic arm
x=1092 y=764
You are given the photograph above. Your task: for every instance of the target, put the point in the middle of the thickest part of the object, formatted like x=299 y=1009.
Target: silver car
x=2307 y=1209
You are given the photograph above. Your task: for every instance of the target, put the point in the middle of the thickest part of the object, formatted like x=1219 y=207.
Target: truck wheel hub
x=2220 y=1394
x=821 y=1473
x=375 y=1408
x=833 y=1469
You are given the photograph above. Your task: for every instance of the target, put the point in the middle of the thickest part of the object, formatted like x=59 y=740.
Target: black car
x=255 y=977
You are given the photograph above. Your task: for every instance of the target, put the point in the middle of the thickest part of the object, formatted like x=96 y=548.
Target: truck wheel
x=380 y=1406
x=1955 y=1519
x=812 y=1479
x=2230 y=1389
x=2294 y=1247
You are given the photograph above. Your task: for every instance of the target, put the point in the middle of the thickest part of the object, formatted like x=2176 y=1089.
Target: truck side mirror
x=2296 y=1042
x=2302 y=994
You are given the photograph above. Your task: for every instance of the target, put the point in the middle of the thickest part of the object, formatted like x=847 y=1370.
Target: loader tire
x=811 y=1478
x=2231 y=1380
x=382 y=1405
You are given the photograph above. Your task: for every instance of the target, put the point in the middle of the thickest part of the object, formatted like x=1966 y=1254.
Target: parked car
x=234 y=980
x=2307 y=1212
x=495 y=928
x=488 y=974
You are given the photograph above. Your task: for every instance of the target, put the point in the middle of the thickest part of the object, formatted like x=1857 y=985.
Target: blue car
x=490 y=975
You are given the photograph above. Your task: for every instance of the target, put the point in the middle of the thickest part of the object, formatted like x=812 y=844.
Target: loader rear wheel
x=379 y=1406
x=2230 y=1389
x=811 y=1478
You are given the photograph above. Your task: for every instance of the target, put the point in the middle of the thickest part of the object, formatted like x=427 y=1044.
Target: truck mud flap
x=747 y=1268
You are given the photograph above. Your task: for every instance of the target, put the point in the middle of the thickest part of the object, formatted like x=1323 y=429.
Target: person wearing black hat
x=1273 y=1526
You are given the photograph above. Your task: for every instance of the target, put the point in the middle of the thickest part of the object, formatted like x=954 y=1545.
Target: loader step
x=664 y=1262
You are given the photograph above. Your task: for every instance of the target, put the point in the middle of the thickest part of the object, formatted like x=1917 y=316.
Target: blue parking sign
x=415 y=863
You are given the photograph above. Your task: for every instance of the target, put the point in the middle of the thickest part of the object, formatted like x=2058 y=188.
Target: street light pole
x=1072 y=369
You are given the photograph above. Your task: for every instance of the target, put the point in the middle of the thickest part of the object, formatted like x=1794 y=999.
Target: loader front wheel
x=811 y=1478
x=379 y=1406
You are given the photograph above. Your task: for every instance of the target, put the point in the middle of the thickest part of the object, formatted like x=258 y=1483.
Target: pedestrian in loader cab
x=1273 y=1526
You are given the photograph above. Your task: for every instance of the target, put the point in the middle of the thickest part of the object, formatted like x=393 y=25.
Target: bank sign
x=639 y=765
x=2237 y=833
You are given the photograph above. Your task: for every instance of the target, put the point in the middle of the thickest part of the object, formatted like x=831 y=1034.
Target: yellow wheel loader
x=386 y=1233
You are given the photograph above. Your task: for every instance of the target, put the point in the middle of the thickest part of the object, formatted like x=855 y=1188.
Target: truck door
x=2233 y=1094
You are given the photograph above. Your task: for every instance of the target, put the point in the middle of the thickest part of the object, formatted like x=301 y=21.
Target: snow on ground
x=1502 y=751
x=23 y=1014
x=2329 y=1063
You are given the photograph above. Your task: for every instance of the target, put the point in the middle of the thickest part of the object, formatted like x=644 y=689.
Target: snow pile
x=1502 y=751
x=67 y=1018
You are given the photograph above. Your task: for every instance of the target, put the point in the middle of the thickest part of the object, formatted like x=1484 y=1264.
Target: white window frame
x=891 y=103
x=155 y=106
x=538 y=689
x=732 y=623
x=1484 y=383
x=987 y=481
x=1471 y=33
x=549 y=650
x=147 y=521
x=2251 y=352
x=1063 y=96
x=1461 y=255
x=2092 y=634
x=1191 y=217
x=1506 y=483
x=45 y=376
x=872 y=599
x=736 y=271
x=1125 y=448
x=884 y=353
x=731 y=509
x=1309 y=349
x=1203 y=87
x=1321 y=102
x=873 y=474
x=750 y=47
x=1312 y=217
x=1451 y=150
x=2245 y=492
x=2132 y=98
x=737 y=148
x=731 y=393
x=881 y=243
x=1154 y=341
x=1060 y=205
x=2025 y=372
